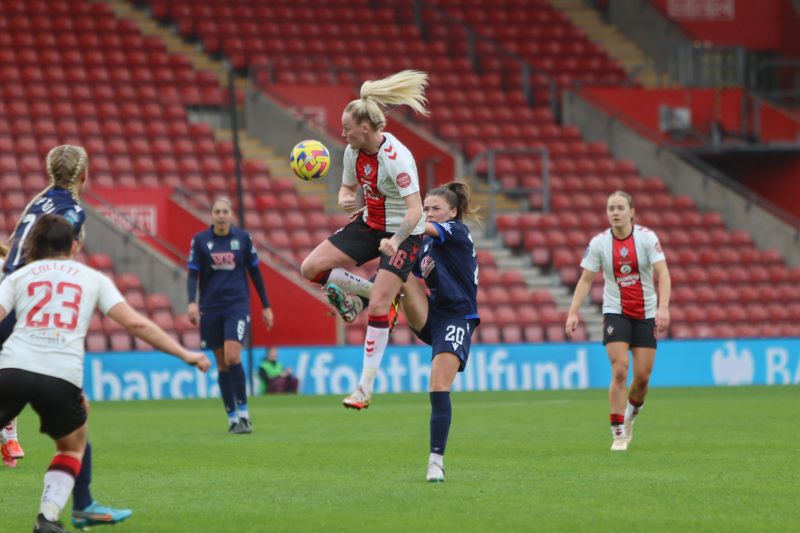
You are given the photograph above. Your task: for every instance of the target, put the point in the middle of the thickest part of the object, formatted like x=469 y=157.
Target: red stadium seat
x=96 y=342
x=158 y=302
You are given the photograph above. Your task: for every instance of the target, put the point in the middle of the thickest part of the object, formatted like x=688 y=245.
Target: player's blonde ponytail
x=404 y=88
x=65 y=165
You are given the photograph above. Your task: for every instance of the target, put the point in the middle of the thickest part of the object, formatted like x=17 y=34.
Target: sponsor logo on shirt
x=370 y=193
x=403 y=180
x=223 y=261
x=47 y=337
x=627 y=281
x=426 y=265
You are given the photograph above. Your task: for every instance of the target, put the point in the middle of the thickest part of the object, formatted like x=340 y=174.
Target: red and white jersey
x=628 y=271
x=54 y=300
x=386 y=177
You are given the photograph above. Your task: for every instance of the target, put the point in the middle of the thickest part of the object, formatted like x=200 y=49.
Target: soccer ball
x=310 y=160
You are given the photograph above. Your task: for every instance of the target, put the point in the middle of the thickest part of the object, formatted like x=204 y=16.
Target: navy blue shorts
x=448 y=334
x=218 y=327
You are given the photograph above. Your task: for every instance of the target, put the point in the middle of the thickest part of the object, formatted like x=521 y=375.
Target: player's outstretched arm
x=144 y=328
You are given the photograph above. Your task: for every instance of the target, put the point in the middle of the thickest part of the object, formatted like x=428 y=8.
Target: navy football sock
x=226 y=391
x=239 y=382
x=81 y=493
x=441 y=412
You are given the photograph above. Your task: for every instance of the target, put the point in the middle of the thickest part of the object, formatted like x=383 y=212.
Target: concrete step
x=615 y=42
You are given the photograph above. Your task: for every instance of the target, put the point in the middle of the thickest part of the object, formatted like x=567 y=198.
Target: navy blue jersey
x=56 y=201
x=450 y=268
x=222 y=262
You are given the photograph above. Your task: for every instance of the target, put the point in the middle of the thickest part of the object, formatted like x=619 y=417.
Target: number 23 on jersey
x=63 y=316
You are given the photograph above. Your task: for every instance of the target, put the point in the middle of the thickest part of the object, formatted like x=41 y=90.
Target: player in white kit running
x=41 y=363
x=634 y=312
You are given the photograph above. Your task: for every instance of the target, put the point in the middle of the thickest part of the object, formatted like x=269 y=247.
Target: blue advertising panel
x=335 y=370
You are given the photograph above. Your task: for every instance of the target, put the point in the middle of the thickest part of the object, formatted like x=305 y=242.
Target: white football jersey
x=627 y=266
x=54 y=300
x=386 y=177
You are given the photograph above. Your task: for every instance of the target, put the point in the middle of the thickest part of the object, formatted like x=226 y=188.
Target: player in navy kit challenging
x=447 y=318
x=68 y=169
x=219 y=261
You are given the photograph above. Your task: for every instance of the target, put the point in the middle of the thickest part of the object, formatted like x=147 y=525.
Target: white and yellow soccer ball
x=310 y=160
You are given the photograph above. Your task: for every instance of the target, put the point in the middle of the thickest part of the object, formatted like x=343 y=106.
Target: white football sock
x=374 y=347
x=349 y=282
x=631 y=411
x=10 y=431
x=437 y=458
x=57 y=489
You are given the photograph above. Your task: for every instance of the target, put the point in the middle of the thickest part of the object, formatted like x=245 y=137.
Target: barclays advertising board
x=335 y=370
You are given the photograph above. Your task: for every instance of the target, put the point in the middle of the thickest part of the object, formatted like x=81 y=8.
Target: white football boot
x=359 y=399
x=435 y=472
x=620 y=441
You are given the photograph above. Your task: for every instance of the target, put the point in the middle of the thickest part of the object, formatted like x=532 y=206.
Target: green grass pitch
x=716 y=459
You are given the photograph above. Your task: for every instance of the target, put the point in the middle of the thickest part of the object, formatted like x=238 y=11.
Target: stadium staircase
x=618 y=46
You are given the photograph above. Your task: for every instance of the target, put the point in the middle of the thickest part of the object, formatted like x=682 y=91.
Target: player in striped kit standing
x=635 y=312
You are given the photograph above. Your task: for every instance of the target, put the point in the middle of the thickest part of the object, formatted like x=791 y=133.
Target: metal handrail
x=494 y=185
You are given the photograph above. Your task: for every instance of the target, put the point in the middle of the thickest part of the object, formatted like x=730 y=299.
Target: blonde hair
x=404 y=88
x=65 y=165
x=3 y=251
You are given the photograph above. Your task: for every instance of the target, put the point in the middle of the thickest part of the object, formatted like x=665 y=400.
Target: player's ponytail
x=457 y=195
x=51 y=236
x=404 y=88
x=65 y=166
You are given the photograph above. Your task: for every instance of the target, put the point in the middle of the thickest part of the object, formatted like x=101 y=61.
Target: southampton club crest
x=623 y=251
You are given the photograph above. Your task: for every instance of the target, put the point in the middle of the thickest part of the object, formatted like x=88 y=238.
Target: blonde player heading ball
x=634 y=312
x=390 y=225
